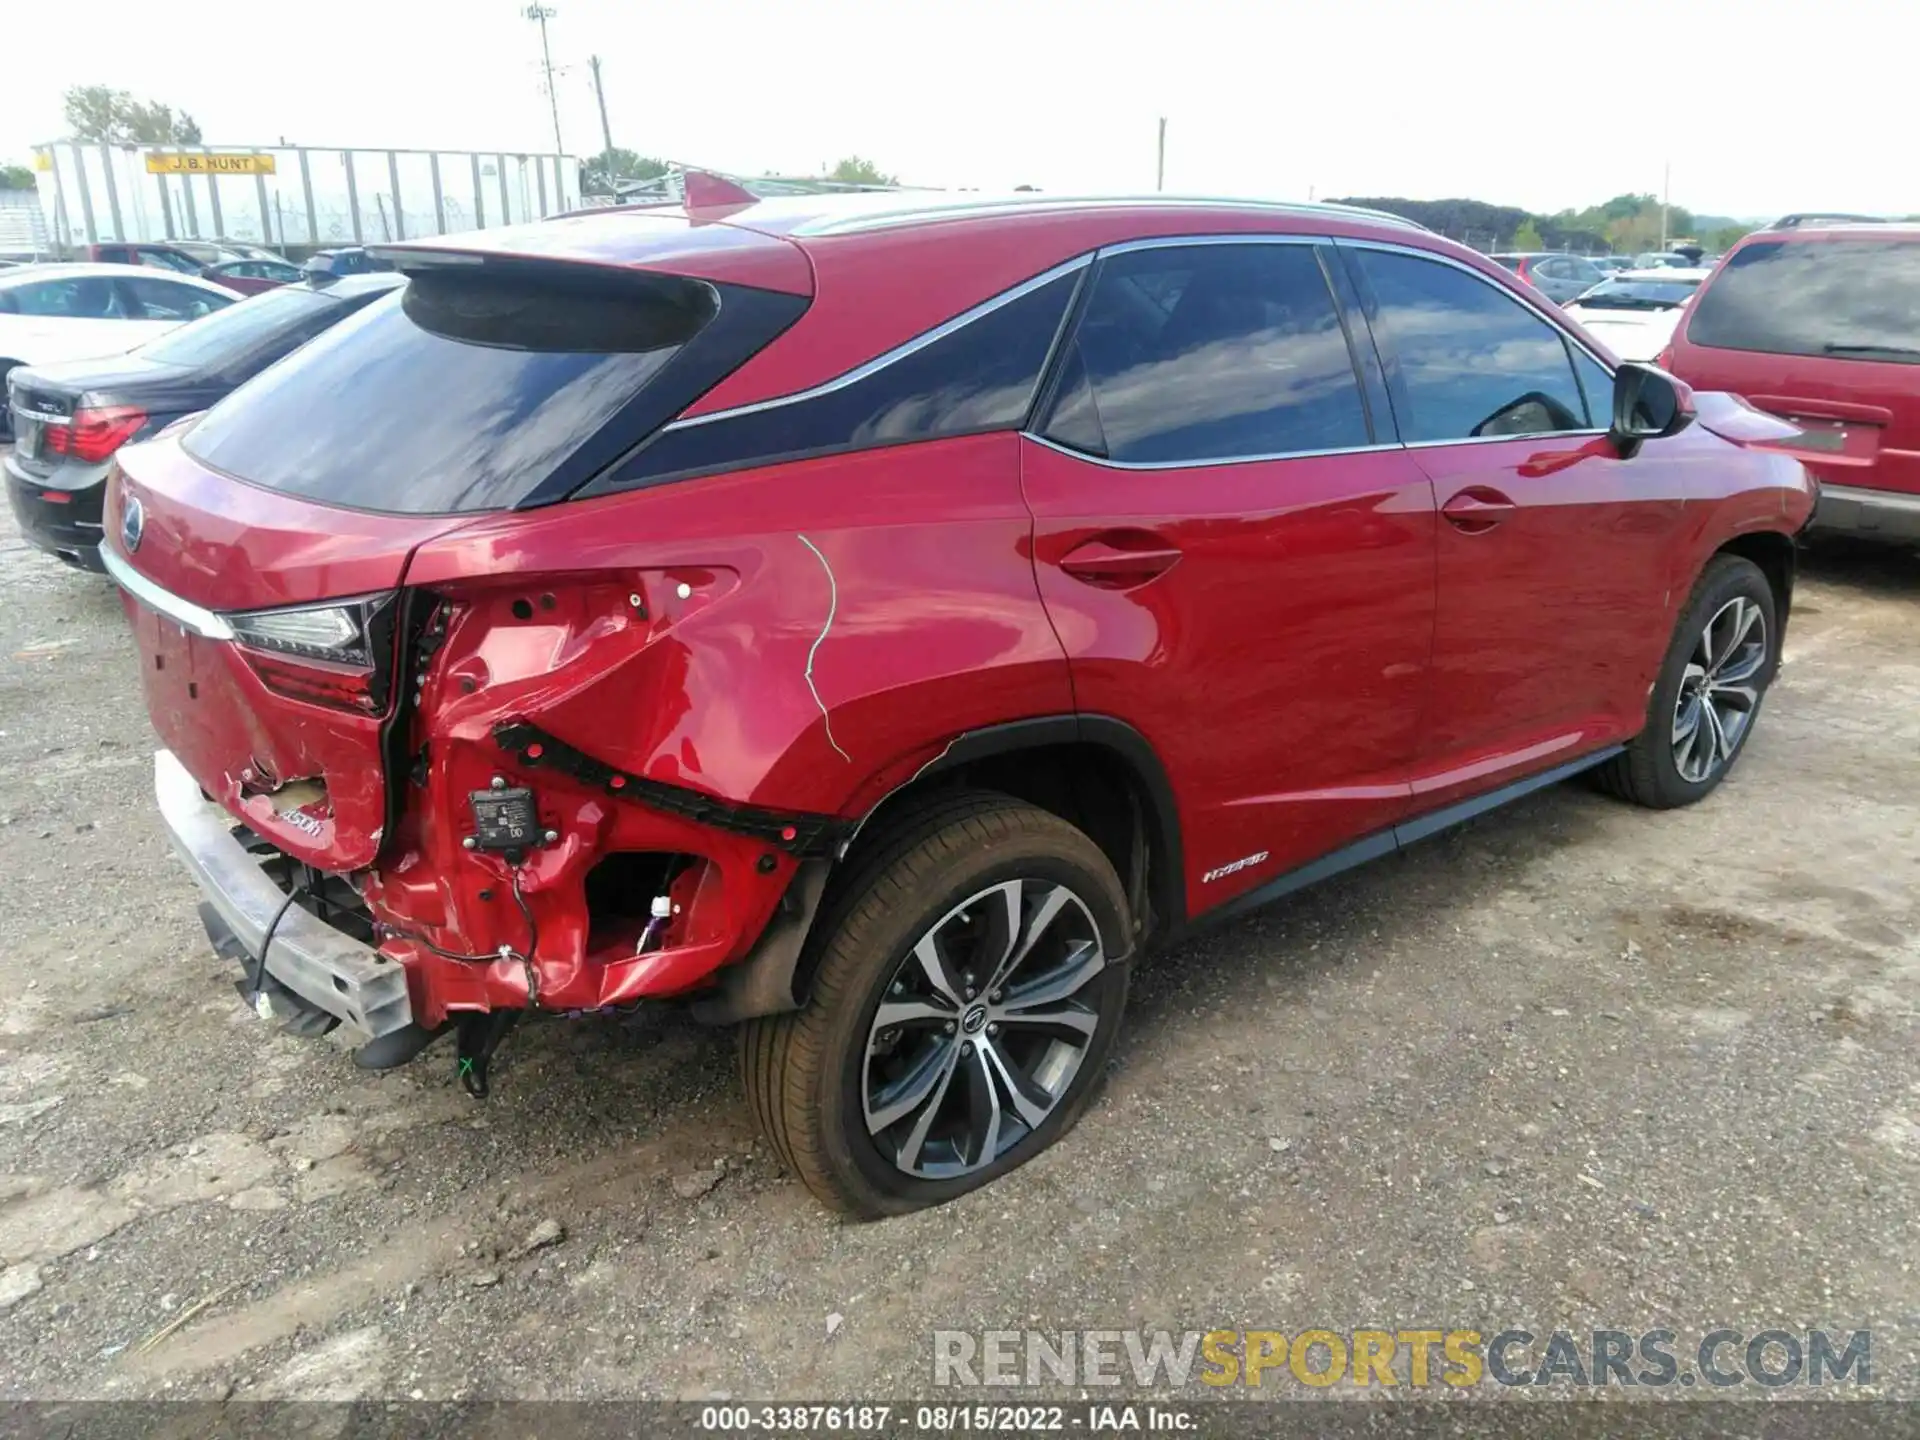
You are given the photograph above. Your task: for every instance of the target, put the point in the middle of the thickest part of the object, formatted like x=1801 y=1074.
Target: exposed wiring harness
x=505 y=952
x=257 y=981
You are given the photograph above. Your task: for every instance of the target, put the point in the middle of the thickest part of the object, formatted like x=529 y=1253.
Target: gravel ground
x=1575 y=1065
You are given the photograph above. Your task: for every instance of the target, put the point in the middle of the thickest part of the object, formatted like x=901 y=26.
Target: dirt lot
x=1577 y=1065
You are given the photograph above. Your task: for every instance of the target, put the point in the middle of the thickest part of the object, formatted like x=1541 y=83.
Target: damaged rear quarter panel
x=828 y=628
x=805 y=638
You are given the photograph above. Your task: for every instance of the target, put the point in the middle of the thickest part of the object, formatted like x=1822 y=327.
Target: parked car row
x=879 y=621
x=71 y=417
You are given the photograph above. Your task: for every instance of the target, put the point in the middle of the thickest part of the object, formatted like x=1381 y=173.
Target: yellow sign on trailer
x=192 y=162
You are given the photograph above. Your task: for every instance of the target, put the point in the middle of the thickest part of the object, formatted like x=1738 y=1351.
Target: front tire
x=966 y=1000
x=1724 y=654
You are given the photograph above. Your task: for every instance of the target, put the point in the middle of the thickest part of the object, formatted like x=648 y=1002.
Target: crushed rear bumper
x=326 y=968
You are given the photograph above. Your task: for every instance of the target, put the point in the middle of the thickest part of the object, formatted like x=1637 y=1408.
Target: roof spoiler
x=706 y=191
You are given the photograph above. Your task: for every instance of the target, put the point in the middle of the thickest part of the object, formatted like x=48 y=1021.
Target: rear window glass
x=1512 y=262
x=462 y=392
x=239 y=330
x=1640 y=294
x=1850 y=299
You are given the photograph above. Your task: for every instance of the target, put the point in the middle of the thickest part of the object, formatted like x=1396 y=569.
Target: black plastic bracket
x=477 y=1036
x=795 y=831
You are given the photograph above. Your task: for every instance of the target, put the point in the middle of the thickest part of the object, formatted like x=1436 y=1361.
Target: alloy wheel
x=982 y=1028
x=1719 y=690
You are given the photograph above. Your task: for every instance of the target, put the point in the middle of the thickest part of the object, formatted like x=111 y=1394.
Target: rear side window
x=86 y=297
x=976 y=376
x=279 y=319
x=1849 y=299
x=464 y=391
x=1468 y=361
x=1197 y=353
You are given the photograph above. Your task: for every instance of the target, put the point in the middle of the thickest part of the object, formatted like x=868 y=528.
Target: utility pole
x=606 y=130
x=540 y=14
x=1666 y=194
x=1160 y=168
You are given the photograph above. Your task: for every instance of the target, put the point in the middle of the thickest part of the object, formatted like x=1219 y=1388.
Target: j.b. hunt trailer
x=291 y=196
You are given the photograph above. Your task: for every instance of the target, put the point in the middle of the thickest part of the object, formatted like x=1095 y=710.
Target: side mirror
x=1648 y=404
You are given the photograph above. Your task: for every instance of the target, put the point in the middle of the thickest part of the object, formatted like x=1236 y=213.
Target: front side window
x=1468 y=361
x=978 y=376
x=168 y=300
x=1847 y=299
x=1195 y=353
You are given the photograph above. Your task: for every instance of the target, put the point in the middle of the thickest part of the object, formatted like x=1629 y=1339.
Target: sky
x=1758 y=106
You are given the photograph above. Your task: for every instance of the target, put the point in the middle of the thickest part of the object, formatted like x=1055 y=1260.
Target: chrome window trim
x=1167 y=242
x=1182 y=242
x=1376 y=448
x=988 y=208
x=898 y=353
x=1498 y=439
x=185 y=613
x=1158 y=242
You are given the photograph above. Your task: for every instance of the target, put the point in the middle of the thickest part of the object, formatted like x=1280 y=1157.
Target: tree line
x=1626 y=224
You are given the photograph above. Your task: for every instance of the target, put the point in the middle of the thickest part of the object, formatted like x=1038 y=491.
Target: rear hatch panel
x=306 y=777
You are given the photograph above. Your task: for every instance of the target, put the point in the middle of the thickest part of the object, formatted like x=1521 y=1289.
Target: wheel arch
x=1778 y=558
x=1094 y=771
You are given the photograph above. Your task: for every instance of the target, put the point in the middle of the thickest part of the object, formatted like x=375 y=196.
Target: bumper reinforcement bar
x=318 y=963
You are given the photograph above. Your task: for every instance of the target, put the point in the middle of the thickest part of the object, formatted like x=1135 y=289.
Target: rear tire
x=996 y=935
x=1723 y=656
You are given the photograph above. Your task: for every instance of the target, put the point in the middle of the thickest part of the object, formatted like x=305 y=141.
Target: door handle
x=1477 y=509
x=1120 y=560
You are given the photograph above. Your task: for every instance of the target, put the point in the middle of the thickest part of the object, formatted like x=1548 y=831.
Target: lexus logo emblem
x=133 y=523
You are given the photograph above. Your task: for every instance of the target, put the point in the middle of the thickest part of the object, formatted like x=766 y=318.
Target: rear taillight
x=339 y=687
x=338 y=654
x=93 y=435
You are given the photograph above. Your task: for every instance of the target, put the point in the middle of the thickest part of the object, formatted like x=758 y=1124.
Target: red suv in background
x=1818 y=321
x=880 y=619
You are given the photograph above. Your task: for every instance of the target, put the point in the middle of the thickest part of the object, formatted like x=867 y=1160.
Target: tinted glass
x=166 y=300
x=1512 y=262
x=242 y=330
x=1471 y=361
x=1851 y=299
x=86 y=297
x=1640 y=294
x=461 y=392
x=1209 y=352
x=979 y=376
x=167 y=260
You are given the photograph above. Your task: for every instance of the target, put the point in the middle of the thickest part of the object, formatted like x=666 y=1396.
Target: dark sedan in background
x=70 y=418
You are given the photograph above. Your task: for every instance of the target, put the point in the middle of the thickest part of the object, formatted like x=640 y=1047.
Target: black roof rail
x=1824 y=217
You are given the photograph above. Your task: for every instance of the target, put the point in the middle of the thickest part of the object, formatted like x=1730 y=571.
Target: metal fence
x=292 y=197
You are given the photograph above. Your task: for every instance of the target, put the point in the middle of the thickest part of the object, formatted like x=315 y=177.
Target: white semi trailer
x=291 y=196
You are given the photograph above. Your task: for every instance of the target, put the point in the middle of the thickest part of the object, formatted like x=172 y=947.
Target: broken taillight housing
x=338 y=654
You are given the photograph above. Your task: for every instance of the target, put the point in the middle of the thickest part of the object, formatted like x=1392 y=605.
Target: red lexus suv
x=879 y=620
